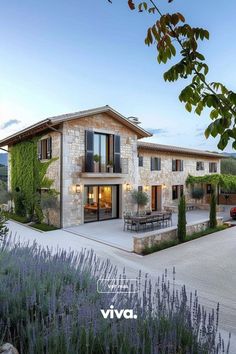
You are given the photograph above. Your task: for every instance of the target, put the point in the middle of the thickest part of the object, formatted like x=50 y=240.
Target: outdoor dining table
x=143 y=220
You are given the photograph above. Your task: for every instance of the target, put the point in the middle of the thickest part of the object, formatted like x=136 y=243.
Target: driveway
x=207 y=264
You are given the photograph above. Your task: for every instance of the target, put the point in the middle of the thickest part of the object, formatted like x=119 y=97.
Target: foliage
x=96 y=158
x=197 y=193
x=49 y=201
x=3 y=228
x=3 y=173
x=228 y=166
x=49 y=304
x=173 y=37
x=140 y=198
x=181 y=230
x=171 y=243
x=213 y=219
x=5 y=196
x=28 y=175
x=44 y=227
x=227 y=182
x=22 y=219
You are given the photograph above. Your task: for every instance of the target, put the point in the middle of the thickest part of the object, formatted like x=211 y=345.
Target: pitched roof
x=55 y=120
x=175 y=149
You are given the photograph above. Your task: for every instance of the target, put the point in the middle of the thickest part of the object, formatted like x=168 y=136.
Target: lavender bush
x=49 y=304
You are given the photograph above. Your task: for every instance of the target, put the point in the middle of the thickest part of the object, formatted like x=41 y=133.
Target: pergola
x=228 y=182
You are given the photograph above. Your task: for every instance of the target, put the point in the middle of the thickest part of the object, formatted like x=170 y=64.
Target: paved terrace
x=111 y=232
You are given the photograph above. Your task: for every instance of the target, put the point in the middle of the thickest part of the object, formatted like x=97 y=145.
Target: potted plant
x=110 y=166
x=96 y=159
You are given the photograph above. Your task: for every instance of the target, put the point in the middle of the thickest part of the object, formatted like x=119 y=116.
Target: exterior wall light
x=128 y=187
x=78 y=188
x=146 y=188
x=164 y=186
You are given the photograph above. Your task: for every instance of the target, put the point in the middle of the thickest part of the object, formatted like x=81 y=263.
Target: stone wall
x=166 y=177
x=73 y=160
x=153 y=238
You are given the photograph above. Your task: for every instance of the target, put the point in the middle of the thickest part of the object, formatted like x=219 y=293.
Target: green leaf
x=188 y=107
x=214 y=114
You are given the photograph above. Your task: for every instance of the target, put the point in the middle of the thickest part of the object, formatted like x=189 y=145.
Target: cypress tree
x=181 y=232
x=213 y=220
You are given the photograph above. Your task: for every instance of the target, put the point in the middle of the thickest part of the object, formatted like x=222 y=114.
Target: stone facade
x=73 y=163
x=166 y=178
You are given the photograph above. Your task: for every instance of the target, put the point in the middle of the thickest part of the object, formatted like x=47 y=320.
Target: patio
x=110 y=232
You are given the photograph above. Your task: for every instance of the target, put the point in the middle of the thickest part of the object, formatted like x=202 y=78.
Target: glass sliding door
x=101 y=148
x=100 y=202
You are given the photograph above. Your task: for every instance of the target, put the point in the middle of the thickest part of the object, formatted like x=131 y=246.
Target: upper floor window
x=140 y=188
x=199 y=165
x=177 y=191
x=212 y=167
x=102 y=152
x=177 y=165
x=140 y=161
x=45 y=149
x=155 y=163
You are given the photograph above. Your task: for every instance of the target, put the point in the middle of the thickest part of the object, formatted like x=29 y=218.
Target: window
x=140 y=188
x=155 y=163
x=102 y=151
x=212 y=167
x=140 y=161
x=45 y=149
x=177 y=165
x=177 y=191
x=200 y=166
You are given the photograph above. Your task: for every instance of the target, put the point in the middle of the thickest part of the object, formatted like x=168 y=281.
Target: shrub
x=19 y=201
x=213 y=220
x=197 y=193
x=140 y=198
x=3 y=228
x=181 y=231
x=49 y=304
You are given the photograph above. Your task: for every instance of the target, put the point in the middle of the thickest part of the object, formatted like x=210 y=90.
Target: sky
x=61 y=56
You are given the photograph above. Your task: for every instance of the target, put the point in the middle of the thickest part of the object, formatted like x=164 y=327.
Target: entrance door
x=156 y=198
x=100 y=203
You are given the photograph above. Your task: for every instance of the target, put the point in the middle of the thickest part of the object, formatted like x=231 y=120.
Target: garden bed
x=172 y=243
x=44 y=227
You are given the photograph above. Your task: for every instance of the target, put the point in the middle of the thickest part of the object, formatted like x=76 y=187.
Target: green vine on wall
x=28 y=176
x=226 y=181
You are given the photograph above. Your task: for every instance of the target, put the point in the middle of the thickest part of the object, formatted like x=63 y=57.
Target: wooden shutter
x=49 y=148
x=152 y=163
x=181 y=165
x=40 y=150
x=117 y=162
x=159 y=164
x=89 y=145
x=173 y=165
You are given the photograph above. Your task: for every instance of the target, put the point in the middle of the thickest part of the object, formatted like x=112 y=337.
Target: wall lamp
x=78 y=188
x=128 y=187
x=146 y=188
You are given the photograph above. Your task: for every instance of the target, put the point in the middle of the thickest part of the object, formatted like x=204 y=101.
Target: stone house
x=101 y=158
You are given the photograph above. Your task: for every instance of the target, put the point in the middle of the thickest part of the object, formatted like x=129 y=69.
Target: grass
x=172 y=243
x=22 y=219
x=44 y=227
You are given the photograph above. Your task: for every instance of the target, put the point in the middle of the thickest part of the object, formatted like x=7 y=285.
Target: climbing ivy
x=226 y=181
x=28 y=176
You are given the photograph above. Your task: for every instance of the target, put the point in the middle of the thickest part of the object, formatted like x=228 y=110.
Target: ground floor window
x=156 y=198
x=101 y=202
x=177 y=191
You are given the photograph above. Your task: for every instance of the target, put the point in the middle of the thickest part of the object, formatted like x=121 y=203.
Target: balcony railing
x=102 y=168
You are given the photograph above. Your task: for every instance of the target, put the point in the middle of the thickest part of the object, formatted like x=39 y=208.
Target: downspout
x=61 y=172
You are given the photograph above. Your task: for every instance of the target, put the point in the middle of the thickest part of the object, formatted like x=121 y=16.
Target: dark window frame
x=177 y=165
x=155 y=163
x=200 y=166
x=45 y=148
x=177 y=191
x=212 y=167
x=140 y=161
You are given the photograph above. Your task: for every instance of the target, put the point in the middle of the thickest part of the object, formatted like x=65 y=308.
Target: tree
x=228 y=166
x=213 y=220
x=181 y=231
x=140 y=198
x=172 y=37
